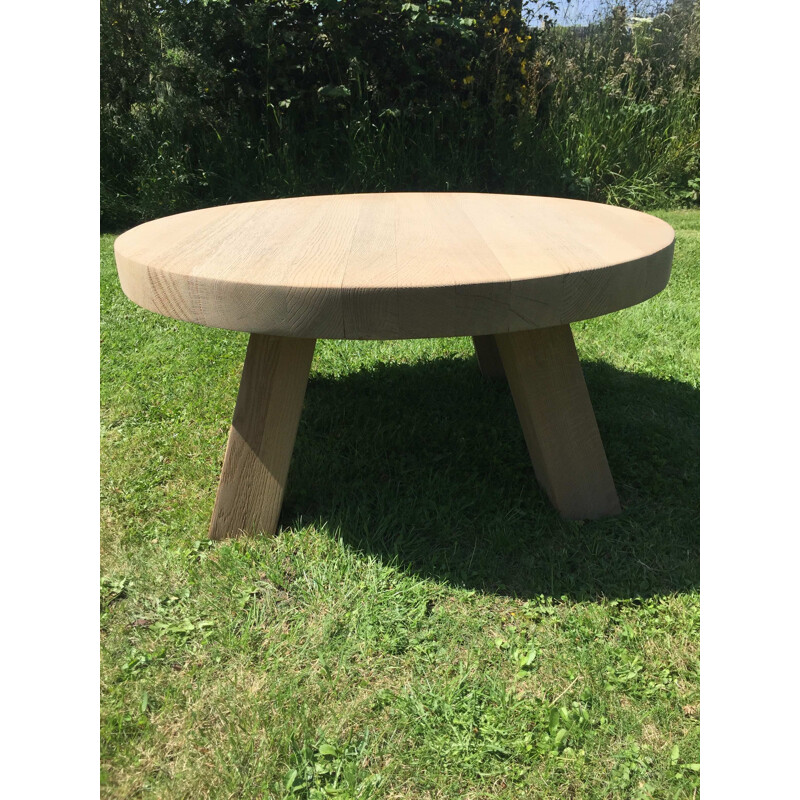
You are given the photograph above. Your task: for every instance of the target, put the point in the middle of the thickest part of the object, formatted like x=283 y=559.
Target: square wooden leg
x=489 y=361
x=556 y=415
x=262 y=435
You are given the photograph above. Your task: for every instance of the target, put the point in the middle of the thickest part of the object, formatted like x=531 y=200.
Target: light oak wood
x=385 y=266
x=558 y=422
x=489 y=361
x=262 y=436
x=511 y=271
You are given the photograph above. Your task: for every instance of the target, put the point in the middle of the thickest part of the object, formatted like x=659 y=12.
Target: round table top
x=395 y=266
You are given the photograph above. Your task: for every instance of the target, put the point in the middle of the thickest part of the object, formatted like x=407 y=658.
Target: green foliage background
x=214 y=101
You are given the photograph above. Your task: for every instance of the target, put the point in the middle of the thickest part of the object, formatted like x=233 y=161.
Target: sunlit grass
x=424 y=625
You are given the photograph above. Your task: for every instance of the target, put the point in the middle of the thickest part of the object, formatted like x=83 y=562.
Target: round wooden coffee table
x=511 y=271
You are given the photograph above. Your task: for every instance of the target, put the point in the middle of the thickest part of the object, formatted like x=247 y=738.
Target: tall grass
x=622 y=107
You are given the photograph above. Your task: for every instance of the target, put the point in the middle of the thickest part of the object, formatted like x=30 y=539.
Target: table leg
x=489 y=361
x=262 y=436
x=556 y=415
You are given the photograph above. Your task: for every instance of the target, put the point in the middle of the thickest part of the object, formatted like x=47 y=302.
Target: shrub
x=214 y=101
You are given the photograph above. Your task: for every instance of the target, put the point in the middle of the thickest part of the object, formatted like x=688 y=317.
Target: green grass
x=424 y=625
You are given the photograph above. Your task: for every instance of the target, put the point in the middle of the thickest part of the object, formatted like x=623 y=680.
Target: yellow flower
x=437 y=42
x=468 y=80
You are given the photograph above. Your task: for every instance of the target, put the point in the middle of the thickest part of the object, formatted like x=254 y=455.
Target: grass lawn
x=424 y=625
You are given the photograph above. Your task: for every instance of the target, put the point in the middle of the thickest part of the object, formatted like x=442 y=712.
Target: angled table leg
x=262 y=436
x=489 y=361
x=556 y=415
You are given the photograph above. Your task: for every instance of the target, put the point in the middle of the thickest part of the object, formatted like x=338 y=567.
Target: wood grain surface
x=489 y=360
x=261 y=439
x=558 y=422
x=395 y=266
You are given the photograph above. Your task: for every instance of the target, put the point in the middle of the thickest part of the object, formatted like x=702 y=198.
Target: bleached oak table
x=511 y=271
